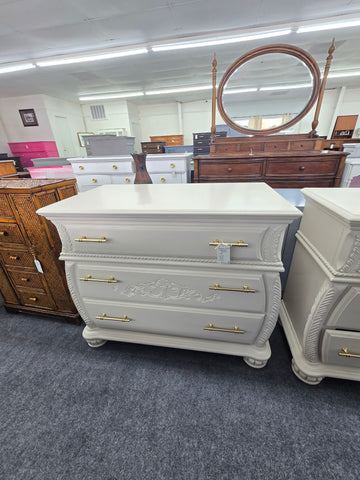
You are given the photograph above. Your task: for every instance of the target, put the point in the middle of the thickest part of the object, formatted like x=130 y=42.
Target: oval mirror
x=268 y=90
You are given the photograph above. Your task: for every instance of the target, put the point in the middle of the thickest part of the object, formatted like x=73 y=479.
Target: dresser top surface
x=27 y=184
x=345 y=202
x=239 y=199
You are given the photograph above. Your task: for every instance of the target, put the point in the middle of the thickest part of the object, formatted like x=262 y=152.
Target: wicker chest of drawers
x=186 y=266
x=32 y=277
x=320 y=311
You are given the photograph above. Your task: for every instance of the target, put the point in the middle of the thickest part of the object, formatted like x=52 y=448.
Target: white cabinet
x=320 y=311
x=192 y=266
x=351 y=173
x=95 y=171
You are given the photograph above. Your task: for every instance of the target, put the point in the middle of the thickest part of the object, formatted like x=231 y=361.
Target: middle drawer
x=209 y=289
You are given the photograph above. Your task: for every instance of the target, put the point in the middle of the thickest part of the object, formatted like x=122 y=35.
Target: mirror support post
x=322 y=89
x=213 y=111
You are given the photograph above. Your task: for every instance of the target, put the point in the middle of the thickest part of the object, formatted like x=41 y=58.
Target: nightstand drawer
x=10 y=233
x=341 y=348
x=181 y=321
x=94 y=180
x=17 y=258
x=209 y=289
x=37 y=299
x=26 y=279
x=103 y=167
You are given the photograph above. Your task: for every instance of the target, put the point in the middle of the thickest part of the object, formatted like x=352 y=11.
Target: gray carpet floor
x=133 y=412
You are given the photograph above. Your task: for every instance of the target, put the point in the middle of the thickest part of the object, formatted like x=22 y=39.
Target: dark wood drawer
x=230 y=169
x=10 y=233
x=251 y=147
x=17 y=258
x=302 y=167
x=302 y=145
x=276 y=147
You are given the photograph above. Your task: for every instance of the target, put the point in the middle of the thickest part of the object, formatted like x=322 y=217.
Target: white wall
x=65 y=120
x=12 y=123
x=159 y=119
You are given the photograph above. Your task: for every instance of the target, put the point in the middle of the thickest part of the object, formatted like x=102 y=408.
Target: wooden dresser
x=187 y=266
x=32 y=277
x=320 y=310
x=282 y=161
x=169 y=139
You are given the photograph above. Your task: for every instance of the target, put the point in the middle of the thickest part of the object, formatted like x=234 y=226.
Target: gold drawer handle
x=239 y=243
x=81 y=167
x=244 y=289
x=13 y=257
x=105 y=317
x=172 y=165
x=25 y=279
x=4 y=234
x=94 y=180
x=115 y=167
x=127 y=180
x=33 y=299
x=163 y=180
x=85 y=239
x=89 y=278
x=345 y=353
x=227 y=330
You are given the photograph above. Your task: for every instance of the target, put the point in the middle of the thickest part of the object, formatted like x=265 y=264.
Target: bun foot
x=254 y=363
x=96 y=342
x=309 y=379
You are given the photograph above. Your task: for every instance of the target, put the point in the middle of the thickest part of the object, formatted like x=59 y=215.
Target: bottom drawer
x=38 y=299
x=341 y=348
x=183 y=322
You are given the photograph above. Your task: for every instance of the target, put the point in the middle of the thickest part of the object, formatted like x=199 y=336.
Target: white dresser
x=95 y=171
x=320 y=311
x=193 y=266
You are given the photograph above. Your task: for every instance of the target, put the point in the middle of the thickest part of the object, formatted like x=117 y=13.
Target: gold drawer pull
x=244 y=289
x=228 y=330
x=172 y=165
x=81 y=167
x=345 y=353
x=94 y=180
x=163 y=180
x=4 y=234
x=127 y=180
x=14 y=257
x=33 y=299
x=105 y=317
x=115 y=167
x=25 y=279
x=89 y=278
x=85 y=239
x=239 y=243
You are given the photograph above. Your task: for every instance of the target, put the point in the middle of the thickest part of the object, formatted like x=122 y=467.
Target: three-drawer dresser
x=163 y=168
x=32 y=279
x=193 y=266
x=320 y=311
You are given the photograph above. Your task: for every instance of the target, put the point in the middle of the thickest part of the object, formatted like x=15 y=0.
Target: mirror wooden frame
x=297 y=52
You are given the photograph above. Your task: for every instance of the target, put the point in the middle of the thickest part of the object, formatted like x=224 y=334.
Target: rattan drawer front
x=26 y=279
x=17 y=258
x=37 y=299
x=10 y=233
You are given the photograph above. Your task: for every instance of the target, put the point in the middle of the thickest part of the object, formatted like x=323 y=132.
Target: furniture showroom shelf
x=320 y=311
x=188 y=266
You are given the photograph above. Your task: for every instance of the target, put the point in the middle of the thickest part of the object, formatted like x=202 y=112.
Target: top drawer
x=154 y=165
x=5 y=209
x=176 y=240
x=102 y=167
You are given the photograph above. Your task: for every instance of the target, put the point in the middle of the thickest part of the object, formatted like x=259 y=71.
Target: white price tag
x=223 y=253
x=38 y=265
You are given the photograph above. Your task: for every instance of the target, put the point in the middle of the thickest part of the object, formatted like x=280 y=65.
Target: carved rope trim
x=316 y=319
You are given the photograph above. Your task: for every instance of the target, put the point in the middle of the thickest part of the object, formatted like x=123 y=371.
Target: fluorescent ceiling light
x=220 y=41
x=90 y=58
x=328 y=26
x=17 y=68
x=286 y=87
x=239 y=90
x=108 y=96
x=177 y=90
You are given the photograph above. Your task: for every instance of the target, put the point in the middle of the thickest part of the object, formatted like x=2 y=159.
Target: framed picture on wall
x=28 y=117
x=82 y=136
